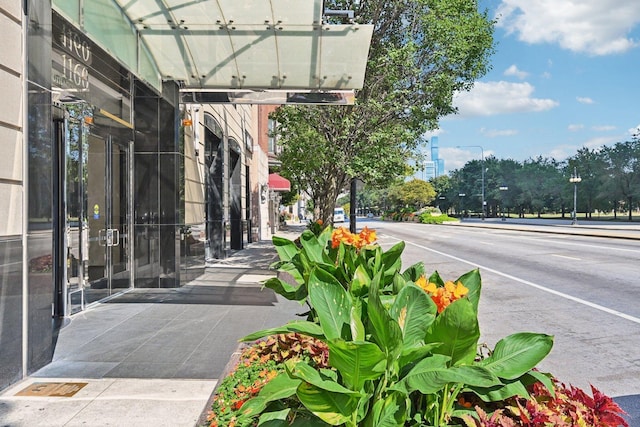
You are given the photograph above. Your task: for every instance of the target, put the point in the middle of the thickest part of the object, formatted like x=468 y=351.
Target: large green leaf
x=305 y=372
x=501 y=392
x=356 y=361
x=332 y=408
x=391 y=257
x=458 y=331
x=414 y=272
x=313 y=249
x=360 y=282
x=325 y=237
x=389 y=412
x=413 y=354
x=306 y=419
x=435 y=278
x=473 y=282
x=274 y=419
x=301 y=326
x=431 y=375
x=291 y=268
x=384 y=329
x=414 y=311
x=282 y=288
x=537 y=376
x=357 y=326
x=286 y=248
x=280 y=387
x=331 y=302
x=398 y=283
x=517 y=354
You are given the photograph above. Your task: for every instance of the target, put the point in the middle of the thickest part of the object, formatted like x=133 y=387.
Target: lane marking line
x=567 y=257
x=528 y=283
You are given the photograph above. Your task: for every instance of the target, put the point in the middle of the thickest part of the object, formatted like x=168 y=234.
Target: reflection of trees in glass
x=181 y=171
x=76 y=153
x=40 y=159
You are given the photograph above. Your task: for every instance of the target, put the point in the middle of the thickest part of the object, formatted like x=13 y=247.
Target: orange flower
x=319 y=222
x=463 y=402
x=343 y=235
x=442 y=296
x=368 y=236
x=339 y=235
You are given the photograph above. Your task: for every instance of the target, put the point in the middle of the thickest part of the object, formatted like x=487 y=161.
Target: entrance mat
x=52 y=389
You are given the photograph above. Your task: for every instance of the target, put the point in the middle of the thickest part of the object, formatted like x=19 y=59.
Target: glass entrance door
x=108 y=181
x=98 y=209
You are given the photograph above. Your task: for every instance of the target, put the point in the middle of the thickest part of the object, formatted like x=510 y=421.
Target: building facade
x=130 y=151
x=109 y=183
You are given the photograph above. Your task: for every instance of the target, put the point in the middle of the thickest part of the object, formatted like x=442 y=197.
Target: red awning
x=278 y=183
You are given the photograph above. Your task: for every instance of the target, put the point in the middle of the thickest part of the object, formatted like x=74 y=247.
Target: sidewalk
x=152 y=357
x=619 y=230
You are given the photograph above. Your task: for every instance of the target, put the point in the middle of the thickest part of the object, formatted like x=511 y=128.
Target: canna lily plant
x=403 y=346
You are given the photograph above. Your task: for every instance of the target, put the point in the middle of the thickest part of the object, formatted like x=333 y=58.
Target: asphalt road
x=583 y=290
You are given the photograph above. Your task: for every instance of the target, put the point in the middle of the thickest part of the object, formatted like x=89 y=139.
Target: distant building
x=432 y=165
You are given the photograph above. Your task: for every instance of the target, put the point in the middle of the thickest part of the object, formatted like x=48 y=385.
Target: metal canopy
x=251 y=44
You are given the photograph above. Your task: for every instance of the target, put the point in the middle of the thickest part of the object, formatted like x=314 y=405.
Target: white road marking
x=567 y=257
x=528 y=283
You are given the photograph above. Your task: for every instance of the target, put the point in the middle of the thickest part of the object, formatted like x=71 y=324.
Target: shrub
x=403 y=348
x=258 y=364
x=428 y=218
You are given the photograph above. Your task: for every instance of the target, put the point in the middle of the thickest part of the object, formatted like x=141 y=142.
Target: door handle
x=109 y=236
x=102 y=239
x=116 y=233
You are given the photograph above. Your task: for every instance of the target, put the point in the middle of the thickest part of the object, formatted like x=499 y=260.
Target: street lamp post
x=503 y=188
x=482 y=154
x=575 y=179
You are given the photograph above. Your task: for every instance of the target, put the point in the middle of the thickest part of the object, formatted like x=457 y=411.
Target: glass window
x=272 y=137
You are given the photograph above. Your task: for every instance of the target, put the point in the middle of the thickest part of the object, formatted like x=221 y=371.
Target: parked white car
x=338 y=215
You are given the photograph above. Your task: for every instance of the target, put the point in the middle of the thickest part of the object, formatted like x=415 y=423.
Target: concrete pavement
x=619 y=230
x=152 y=357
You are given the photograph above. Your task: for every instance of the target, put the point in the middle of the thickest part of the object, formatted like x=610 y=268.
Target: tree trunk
x=630 y=208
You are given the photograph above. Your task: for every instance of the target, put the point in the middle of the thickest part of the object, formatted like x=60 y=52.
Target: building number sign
x=76 y=58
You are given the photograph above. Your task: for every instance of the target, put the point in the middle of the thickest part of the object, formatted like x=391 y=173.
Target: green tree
x=591 y=167
x=415 y=193
x=443 y=186
x=623 y=170
x=421 y=54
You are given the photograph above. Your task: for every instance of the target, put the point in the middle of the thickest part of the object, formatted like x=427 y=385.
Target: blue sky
x=565 y=75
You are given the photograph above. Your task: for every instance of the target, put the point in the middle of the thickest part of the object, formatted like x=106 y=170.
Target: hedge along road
x=583 y=290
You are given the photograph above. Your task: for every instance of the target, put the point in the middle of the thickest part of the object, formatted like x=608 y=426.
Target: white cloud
x=491 y=98
x=585 y=100
x=562 y=152
x=514 y=71
x=634 y=132
x=434 y=132
x=603 y=128
x=456 y=158
x=598 y=141
x=493 y=133
x=575 y=127
x=595 y=27
x=546 y=75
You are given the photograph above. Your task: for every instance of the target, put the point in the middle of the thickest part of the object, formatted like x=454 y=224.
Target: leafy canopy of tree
x=414 y=194
x=610 y=182
x=422 y=52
